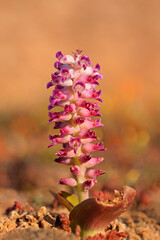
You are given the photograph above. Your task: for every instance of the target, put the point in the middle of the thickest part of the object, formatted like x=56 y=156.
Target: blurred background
x=124 y=38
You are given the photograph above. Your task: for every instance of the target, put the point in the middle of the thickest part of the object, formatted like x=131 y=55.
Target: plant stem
x=82 y=195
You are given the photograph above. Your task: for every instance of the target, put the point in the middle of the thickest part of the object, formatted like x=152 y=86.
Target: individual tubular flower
x=74 y=91
x=68 y=181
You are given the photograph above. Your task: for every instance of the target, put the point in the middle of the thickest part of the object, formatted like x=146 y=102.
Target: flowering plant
x=75 y=81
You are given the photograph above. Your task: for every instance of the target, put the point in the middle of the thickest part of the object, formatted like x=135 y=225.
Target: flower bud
x=68 y=181
x=93 y=173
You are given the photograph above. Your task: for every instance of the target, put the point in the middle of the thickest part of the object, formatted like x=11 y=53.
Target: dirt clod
x=41 y=212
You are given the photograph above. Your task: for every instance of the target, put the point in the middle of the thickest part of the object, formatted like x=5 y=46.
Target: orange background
x=124 y=38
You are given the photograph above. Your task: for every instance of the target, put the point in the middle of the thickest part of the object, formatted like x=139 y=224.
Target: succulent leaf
x=66 y=199
x=93 y=215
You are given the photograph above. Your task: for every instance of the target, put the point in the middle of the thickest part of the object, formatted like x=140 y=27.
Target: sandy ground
x=45 y=221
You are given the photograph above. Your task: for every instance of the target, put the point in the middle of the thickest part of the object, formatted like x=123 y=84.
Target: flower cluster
x=74 y=84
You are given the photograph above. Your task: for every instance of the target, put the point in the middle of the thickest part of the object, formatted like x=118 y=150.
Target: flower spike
x=74 y=90
x=74 y=93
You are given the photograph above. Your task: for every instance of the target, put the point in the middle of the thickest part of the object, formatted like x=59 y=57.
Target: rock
x=31 y=218
x=45 y=224
x=22 y=225
x=42 y=211
x=50 y=219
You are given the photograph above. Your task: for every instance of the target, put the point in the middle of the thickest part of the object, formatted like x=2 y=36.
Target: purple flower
x=59 y=55
x=65 y=74
x=74 y=90
x=83 y=61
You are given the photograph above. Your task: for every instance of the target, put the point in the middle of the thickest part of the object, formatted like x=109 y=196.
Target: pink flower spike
x=68 y=181
x=92 y=147
x=75 y=98
x=88 y=184
x=75 y=170
x=93 y=173
x=74 y=84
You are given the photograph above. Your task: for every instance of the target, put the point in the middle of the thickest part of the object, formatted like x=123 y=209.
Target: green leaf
x=66 y=199
x=70 y=198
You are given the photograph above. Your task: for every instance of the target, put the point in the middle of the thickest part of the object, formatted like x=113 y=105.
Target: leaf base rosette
x=93 y=215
